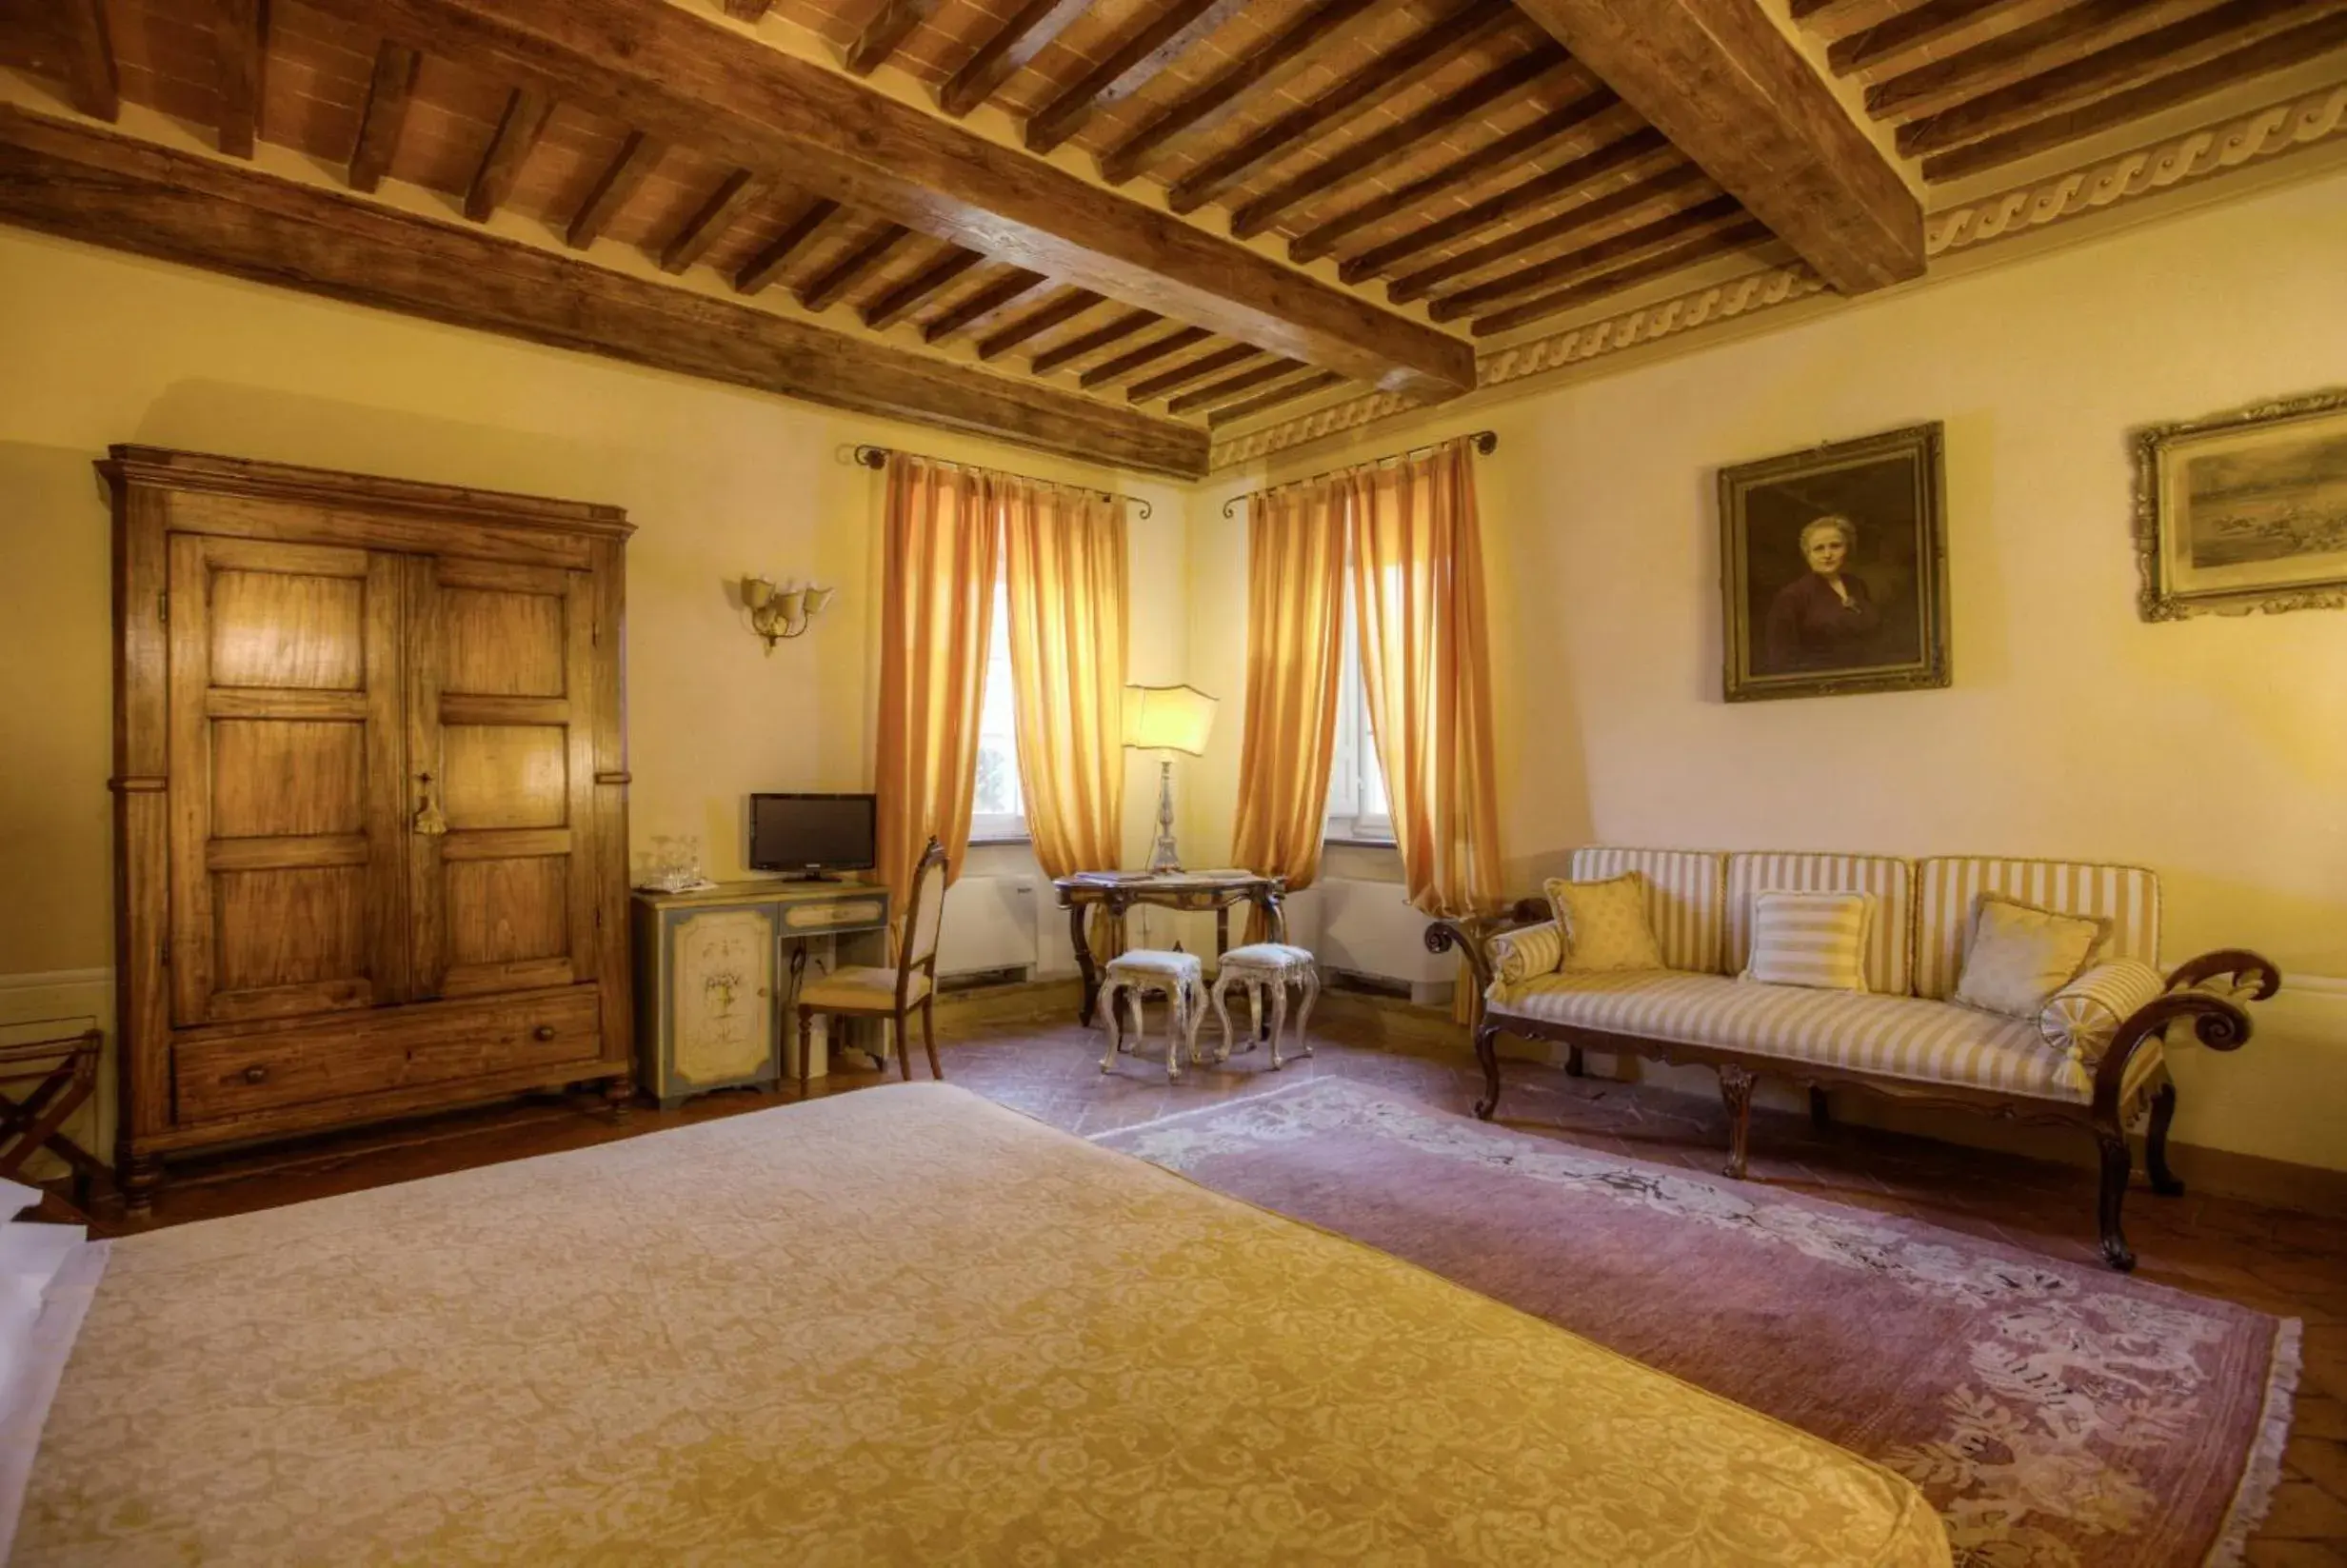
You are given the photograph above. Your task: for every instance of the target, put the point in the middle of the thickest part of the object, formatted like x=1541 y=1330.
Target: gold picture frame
x=2243 y=512
x=1872 y=618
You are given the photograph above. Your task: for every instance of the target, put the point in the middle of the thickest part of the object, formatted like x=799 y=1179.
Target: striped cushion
x=1519 y=956
x=1684 y=898
x=1948 y=887
x=1902 y=1038
x=1892 y=883
x=2082 y=1018
x=1817 y=939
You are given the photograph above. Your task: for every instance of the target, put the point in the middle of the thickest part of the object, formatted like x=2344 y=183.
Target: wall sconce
x=776 y=613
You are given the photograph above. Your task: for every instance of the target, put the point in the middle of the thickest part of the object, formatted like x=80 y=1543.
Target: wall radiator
x=1366 y=931
x=991 y=926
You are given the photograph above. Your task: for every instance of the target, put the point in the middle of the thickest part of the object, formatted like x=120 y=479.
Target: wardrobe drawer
x=387 y=1048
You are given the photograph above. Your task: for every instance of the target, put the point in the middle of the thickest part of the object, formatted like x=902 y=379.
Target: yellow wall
x=2213 y=750
x=97 y=348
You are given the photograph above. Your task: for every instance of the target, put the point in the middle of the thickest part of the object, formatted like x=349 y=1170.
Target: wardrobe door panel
x=501 y=673
x=286 y=896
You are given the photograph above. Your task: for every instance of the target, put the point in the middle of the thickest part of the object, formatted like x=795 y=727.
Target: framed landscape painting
x=2244 y=511
x=1833 y=569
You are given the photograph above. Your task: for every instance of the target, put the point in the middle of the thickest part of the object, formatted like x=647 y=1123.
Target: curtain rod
x=1486 y=442
x=877 y=457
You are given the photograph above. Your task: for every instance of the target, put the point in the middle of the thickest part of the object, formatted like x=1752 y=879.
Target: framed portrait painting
x=1833 y=569
x=2244 y=511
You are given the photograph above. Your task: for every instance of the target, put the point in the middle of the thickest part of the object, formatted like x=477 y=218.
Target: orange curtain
x=1066 y=591
x=937 y=605
x=1417 y=593
x=1295 y=640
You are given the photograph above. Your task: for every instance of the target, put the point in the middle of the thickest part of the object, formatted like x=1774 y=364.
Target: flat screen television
x=812 y=834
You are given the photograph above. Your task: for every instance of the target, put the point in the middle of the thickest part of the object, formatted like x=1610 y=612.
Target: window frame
x=1345 y=821
x=1000 y=827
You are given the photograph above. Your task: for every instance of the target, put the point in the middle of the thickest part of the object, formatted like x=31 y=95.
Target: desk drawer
x=387 y=1048
x=837 y=912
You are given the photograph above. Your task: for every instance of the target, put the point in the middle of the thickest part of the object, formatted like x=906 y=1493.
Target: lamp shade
x=1167 y=719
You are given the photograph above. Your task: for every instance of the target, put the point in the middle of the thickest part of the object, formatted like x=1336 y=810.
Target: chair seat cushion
x=1891 y=1037
x=861 y=987
x=1268 y=955
x=1151 y=962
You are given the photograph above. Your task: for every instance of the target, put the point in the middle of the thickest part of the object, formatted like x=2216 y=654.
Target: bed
x=900 y=1325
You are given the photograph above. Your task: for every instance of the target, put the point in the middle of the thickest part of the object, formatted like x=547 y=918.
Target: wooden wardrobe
x=371 y=789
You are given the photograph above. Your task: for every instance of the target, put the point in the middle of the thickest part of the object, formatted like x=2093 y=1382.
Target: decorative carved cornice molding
x=2190 y=158
x=2181 y=160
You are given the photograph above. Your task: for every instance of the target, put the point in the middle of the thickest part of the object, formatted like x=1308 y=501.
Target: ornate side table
x=1118 y=891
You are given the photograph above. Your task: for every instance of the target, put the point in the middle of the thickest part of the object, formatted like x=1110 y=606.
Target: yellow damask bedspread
x=898 y=1326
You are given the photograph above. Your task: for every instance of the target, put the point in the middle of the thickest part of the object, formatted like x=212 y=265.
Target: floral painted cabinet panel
x=723 y=995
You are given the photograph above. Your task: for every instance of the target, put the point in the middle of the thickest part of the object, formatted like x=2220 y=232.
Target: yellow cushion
x=2021 y=955
x=1604 y=925
x=1517 y=956
x=861 y=987
x=1813 y=939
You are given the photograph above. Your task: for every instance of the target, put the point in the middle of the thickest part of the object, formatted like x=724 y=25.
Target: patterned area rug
x=2058 y=1416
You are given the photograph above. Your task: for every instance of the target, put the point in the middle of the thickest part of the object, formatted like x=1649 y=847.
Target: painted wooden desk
x=709 y=976
x=1118 y=891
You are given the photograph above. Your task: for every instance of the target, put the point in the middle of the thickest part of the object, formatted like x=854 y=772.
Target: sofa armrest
x=1471 y=935
x=2220 y=1022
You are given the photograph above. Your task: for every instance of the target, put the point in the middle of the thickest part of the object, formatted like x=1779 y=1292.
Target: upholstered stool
x=1183 y=979
x=1268 y=967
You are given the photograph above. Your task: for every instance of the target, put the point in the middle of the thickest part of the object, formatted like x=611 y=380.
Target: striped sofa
x=1902 y=1036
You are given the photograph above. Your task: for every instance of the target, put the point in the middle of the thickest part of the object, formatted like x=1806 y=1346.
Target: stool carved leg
x=1279 y=1019
x=1222 y=1010
x=1107 y=1008
x=1304 y=1013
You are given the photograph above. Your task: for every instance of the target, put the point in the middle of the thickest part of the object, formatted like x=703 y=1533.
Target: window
x=997 y=810
x=1357 y=805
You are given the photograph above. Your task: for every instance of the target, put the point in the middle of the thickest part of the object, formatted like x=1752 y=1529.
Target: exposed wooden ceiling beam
x=1205 y=106
x=747 y=11
x=1022 y=37
x=1128 y=67
x=1003 y=292
x=1088 y=342
x=1662 y=233
x=2271 y=53
x=2140 y=59
x=108 y=190
x=1732 y=92
x=618 y=181
x=1231 y=387
x=1737 y=237
x=1272 y=399
x=1181 y=375
x=889 y=27
x=1466 y=169
x=692 y=80
x=890 y=307
x=1398 y=143
x=732 y=198
x=518 y=130
x=764 y=267
x=389 y=91
x=1356 y=93
x=1921 y=33
x=239 y=38
x=1043 y=318
x=2059 y=39
x=1148 y=353
x=1833 y=16
x=852 y=269
x=1574 y=219
x=91 y=77
x=1523 y=197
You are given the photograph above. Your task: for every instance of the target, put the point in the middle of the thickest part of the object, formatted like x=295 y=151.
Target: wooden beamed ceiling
x=1437 y=173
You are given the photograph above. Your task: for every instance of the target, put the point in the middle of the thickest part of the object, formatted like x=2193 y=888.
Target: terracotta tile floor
x=2289 y=1263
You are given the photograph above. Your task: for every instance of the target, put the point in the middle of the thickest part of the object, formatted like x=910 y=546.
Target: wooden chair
x=868 y=992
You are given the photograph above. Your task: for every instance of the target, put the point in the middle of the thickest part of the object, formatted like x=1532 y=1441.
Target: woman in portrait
x=1824 y=619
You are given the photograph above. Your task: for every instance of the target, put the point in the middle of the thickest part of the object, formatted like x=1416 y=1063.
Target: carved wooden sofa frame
x=2218 y=1023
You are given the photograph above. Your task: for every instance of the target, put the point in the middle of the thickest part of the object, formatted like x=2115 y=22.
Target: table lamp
x=1166 y=719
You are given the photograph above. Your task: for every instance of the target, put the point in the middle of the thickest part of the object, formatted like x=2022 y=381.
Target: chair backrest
x=1948 y=887
x=1684 y=897
x=1890 y=880
x=926 y=916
